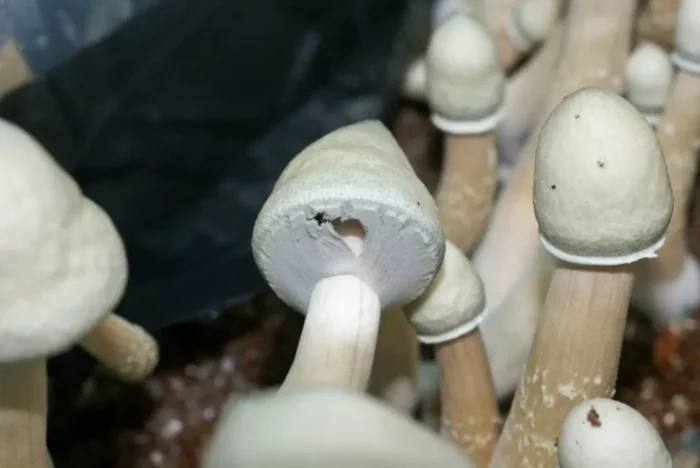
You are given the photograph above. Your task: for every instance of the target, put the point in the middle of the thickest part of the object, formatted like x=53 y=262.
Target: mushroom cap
x=604 y=432
x=324 y=427
x=532 y=21
x=454 y=303
x=62 y=262
x=444 y=9
x=649 y=77
x=687 y=41
x=357 y=174
x=466 y=82
x=601 y=193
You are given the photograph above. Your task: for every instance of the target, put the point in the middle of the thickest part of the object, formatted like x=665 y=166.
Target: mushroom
x=648 y=78
x=657 y=22
x=595 y=48
x=63 y=271
x=604 y=432
x=321 y=428
x=348 y=230
x=465 y=88
x=603 y=201
x=530 y=23
x=445 y=9
x=447 y=316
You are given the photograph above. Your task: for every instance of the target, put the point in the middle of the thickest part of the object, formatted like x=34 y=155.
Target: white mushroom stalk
x=348 y=230
x=657 y=22
x=63 y=270
x=595 y=49
x=668 y=287
x=603 y=201
x=603 y=432
x=466 y=87
x=447 y=316
x=648 y=80
x=321 y=428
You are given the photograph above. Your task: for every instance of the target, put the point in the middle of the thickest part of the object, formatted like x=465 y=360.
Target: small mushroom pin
x=348 y=230
x=603 y=432
x=447 y=316
x=648 y=80
x=603 y=201
x=465 y=89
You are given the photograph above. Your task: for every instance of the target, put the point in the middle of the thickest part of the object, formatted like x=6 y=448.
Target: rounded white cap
x=62 y=262
x=532 y=21
x=415 y=80
x=601 y=193
x=649 y=77
x=606 y=433
x=465 y=82
x=687 y=42
x=453 y=305
x=321 y=428
x=357 y=175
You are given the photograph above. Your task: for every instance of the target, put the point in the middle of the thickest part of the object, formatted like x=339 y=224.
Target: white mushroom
x=648 y=80
x=603 y=201
x=601 y=432
x=447 y=316
x=347 y=231
x=322 y=428
x=466 y=86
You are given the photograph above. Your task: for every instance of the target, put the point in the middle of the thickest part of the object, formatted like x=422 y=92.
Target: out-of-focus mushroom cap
x=62 y=262
x=324 y=427
x=359 y=175
x=601 y=194
x=687 y=42
x=649 y=78
x=532 y=21
x=604 y=432
x=454 y=303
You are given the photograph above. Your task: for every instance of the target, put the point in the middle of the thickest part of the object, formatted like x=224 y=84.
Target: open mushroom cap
x=465 y=80
x=533 y=21
x=687 y=42
x=349 y=204
x=649 y=77
x=602 y=195
x=606 y=433
x=62 y=262
x=454 y=303
x=324 y=427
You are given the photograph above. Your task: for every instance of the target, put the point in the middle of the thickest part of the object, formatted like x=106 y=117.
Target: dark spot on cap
x=601 y=164
x=554 y=187
x=320 y=218
x=593 y=418
x=577 y=116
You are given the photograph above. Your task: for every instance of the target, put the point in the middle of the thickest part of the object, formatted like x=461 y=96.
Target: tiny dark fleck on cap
x=554 y=187
x=577 y=116
x=593 y=418
x=601 y=164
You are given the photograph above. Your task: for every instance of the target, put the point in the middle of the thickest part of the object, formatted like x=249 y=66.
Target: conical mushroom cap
x=606 y=433
x=649 y=77
x=601 y=194
x=454 y=303
x=465 y=80
x=322 y=428
x=357 y=174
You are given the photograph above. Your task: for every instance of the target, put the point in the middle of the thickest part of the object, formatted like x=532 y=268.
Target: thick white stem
x=339 y=337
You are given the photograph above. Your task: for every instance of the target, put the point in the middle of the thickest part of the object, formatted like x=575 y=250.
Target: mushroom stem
x=467 y=187
x=657 y=22
x=23 y=412
x=125 y=349
x=566 y=366
x=339 y=337
x=470 y=417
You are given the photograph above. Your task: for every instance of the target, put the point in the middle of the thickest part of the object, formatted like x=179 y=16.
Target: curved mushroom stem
x=23 y=412
x=125 y=349
x=566 y=365
x=339 y=337
x=467 y=187
x=470 y=417
x=657 y=22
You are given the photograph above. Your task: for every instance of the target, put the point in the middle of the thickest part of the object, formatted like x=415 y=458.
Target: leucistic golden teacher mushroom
x=648 y=80
x=603 y=432
x=668 y=287
x=62 y=271
x=603 y=201
x=322 y=428
x=347 y=231
x=465 y=90
x=448 y=316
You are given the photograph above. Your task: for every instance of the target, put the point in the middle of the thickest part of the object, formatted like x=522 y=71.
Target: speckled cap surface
x=649 y=76
x=465 y=80
x=355 y=173
x=453 y=305
x=687 y=41
x=601 y=192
